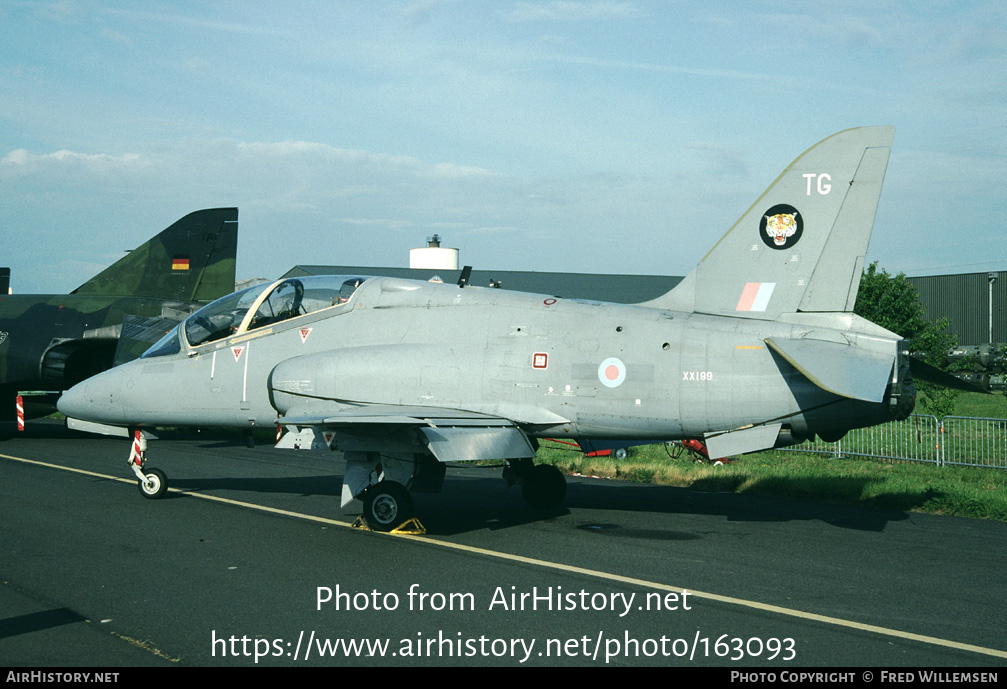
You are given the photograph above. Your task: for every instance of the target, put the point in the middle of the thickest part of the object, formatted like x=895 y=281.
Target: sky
x=592 y=136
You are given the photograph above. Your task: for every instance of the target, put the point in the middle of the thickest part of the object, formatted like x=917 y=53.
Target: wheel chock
x=360 y=523
x=410 y=527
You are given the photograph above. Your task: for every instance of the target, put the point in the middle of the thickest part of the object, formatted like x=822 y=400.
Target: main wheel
x=386 y=505
x=544 y=487
x=154 y=485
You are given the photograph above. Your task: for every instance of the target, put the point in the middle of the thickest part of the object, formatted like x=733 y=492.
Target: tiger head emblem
x=781 y=227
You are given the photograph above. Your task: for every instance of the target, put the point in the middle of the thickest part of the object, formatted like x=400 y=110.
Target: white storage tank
x=433 y=256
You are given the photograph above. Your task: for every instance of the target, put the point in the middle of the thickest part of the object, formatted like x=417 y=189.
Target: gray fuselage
x=554 y=366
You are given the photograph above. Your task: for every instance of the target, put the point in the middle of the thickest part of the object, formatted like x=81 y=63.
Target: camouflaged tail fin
x=192 y=260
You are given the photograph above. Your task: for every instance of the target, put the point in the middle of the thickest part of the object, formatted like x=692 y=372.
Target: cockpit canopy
x=257 y=307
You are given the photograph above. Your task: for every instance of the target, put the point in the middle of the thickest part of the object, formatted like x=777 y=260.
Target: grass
x=992 y=406
x=959 y=491
x=908 y=486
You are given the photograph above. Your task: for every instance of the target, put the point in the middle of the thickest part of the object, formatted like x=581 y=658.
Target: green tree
x=894 y=304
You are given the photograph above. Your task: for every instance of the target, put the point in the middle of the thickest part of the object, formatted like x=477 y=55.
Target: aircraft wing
x=343 y=414
x=452 y=435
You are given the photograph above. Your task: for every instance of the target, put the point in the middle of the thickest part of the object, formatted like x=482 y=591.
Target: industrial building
x=974 y=303
x=974 y=306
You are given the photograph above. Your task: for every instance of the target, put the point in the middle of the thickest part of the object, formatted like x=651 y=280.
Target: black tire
x=387 y=505
x=544 y=487
x=155 y=486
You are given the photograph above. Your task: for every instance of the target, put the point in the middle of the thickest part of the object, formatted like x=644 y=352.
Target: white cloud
x=331 y=155
x=566 y=10
x=116 y=37
x=241 y=28
x=659 y=68
x=312 y=202
x=22 y=162
x=421 y=11
x=198 y=65
x=381 y=223
x=722 y=161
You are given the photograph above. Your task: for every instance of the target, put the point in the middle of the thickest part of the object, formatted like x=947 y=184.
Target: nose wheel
x=154 y=483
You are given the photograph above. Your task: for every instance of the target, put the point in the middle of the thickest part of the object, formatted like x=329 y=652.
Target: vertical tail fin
x=801 y=245
x=192 y=260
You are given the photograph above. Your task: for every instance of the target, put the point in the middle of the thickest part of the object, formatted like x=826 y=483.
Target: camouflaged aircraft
x=756 y=348
x=49 y=343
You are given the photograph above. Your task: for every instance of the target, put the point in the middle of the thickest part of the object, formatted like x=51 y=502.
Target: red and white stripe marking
x=755 y=296
x=136 y=453
x=20 y=413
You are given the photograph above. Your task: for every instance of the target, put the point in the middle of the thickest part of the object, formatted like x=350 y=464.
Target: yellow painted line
x=63 y=468
x=747 y=346
x=213 y=498
x=558 y=566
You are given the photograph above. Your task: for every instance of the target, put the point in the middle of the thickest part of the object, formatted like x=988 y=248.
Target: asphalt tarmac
x=250 y=561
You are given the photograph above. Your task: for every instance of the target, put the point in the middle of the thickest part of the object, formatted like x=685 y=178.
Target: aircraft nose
x=96 y=399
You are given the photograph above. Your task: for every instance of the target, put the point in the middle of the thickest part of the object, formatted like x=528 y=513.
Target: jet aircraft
x=52 y=342
x=756 y=348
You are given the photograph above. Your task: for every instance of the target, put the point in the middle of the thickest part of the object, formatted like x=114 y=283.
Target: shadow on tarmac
x=473 y=500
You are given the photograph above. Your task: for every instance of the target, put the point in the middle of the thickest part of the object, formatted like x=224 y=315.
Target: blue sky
x=588 y=136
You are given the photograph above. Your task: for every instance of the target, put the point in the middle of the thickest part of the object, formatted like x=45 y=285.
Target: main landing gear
x=387 y=504
x=543 y=486
x=152 y=482
x=383 y=481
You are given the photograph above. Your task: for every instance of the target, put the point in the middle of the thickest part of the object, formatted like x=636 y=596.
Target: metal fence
x=956 y=440
x=974 y=441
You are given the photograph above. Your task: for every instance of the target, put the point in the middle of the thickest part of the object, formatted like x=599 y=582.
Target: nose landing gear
x=153 y=483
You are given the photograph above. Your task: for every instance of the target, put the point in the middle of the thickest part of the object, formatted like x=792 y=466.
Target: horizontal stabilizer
x=921 y=370
x=856 y=372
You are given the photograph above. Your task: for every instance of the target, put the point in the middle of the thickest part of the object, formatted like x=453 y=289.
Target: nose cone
x=97 y=399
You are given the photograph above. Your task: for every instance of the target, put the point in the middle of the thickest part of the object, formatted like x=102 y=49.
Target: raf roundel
x=612 y=372
x=781 y=226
